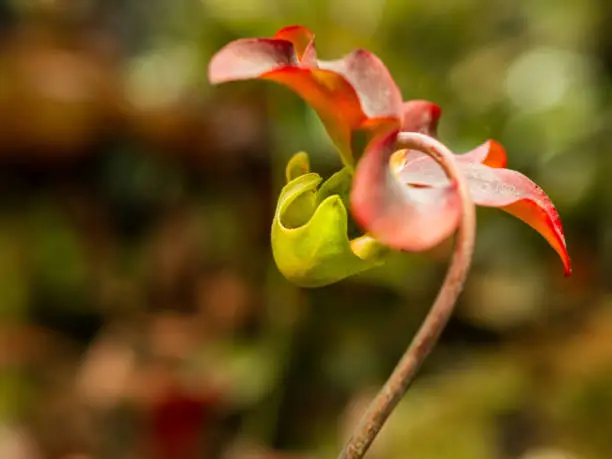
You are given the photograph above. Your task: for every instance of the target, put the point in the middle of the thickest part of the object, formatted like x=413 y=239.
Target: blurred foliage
x=141 y=313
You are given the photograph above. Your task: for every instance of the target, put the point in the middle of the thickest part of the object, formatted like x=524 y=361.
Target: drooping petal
x=518 y=195
x=303 y=43
x=355 y=93
x=402 y=217
x=546 y=221
x=495 y=187
x=379 y=95
x=249 y=58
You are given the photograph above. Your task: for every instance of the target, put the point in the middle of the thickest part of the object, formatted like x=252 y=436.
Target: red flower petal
x=546 y=221
x=350 y=94
x=250 y=58
x=333 y=98
x=420 y=116
x=378 y=93
x=518 y=195
x=303 y=43
x=401 y=217
x=417 y=116
x=495 y=187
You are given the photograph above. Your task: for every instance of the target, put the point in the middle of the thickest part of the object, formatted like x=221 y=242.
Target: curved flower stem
x=396 y=386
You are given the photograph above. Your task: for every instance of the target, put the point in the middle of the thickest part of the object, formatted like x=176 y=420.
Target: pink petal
x=516 y=194
x=401 y=217
x=494 y=187
x=378 y=93
x=355 y=93
x=250 y=58
x=419 y=169
x=420 y=116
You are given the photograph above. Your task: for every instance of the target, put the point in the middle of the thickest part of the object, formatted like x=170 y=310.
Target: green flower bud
x=310 y=243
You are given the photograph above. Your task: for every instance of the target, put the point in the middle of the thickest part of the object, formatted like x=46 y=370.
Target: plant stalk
x=424 y=341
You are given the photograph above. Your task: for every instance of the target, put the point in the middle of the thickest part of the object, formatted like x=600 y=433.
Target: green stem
x=424 y=341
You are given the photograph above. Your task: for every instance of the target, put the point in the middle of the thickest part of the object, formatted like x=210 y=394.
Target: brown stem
x=396 y=386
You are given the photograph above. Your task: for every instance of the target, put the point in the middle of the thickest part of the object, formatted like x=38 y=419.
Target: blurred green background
x=141 y=315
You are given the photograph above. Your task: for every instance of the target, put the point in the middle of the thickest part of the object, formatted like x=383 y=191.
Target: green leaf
x=309 y=233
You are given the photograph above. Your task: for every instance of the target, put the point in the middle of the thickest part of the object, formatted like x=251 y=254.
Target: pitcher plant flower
x=418 y=208
x=406 y=189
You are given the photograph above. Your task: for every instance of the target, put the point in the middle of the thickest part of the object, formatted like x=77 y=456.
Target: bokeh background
x=141 y=314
